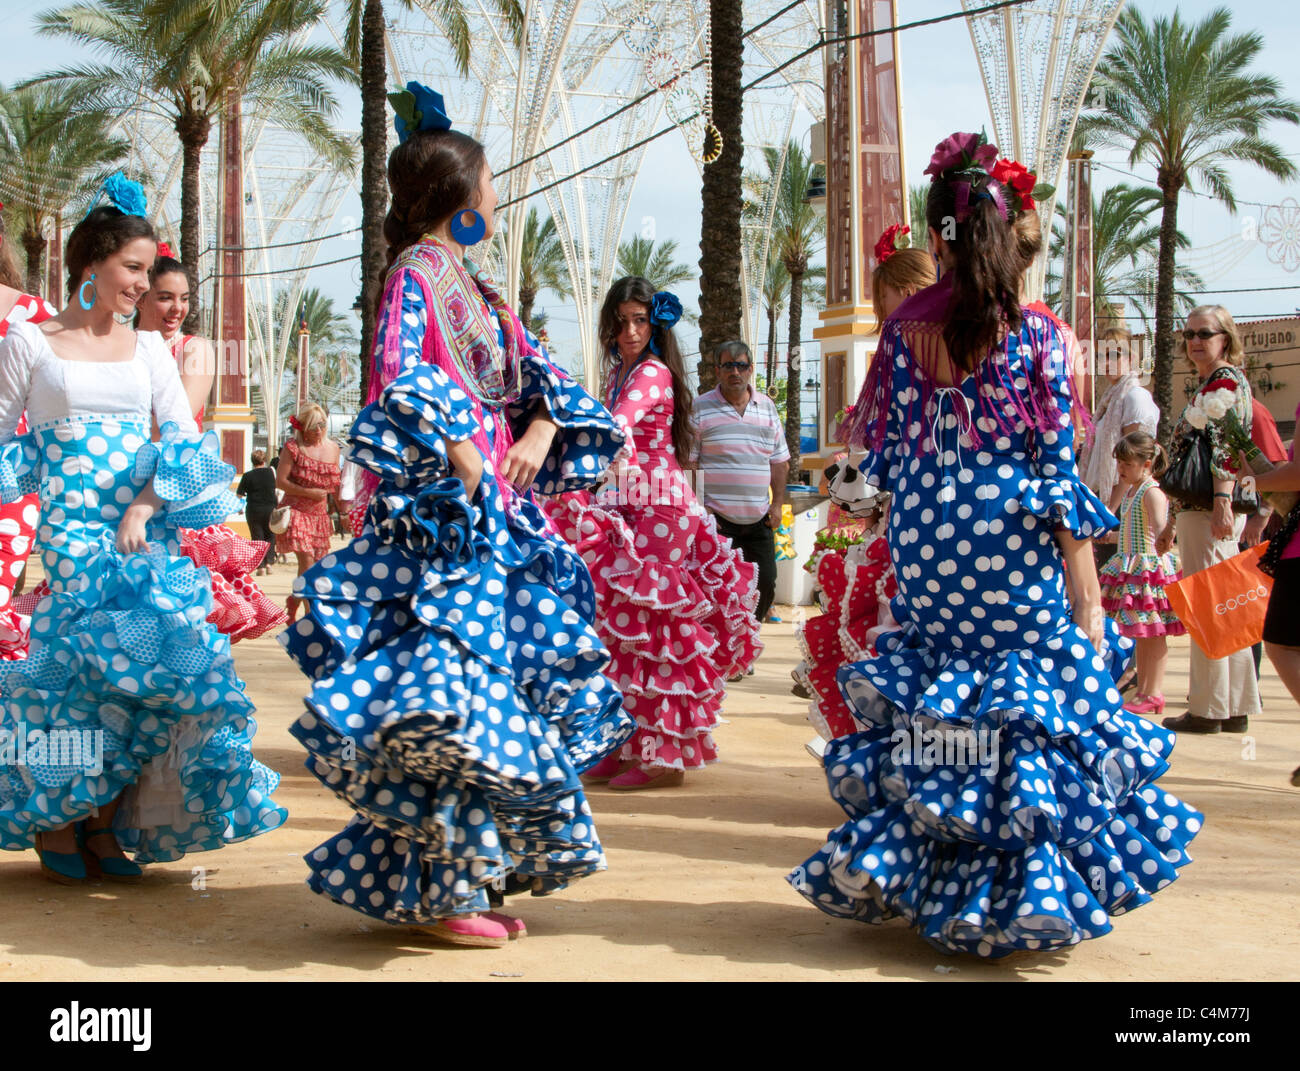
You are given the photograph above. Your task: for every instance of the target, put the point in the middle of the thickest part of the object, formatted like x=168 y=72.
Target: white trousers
x=1219 y=688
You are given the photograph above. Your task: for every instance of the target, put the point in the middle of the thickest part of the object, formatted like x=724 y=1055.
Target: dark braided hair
x=432 y=175
x=635 y=288
x=986 y=270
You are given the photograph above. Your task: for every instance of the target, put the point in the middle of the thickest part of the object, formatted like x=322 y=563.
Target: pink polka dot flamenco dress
x=675 y=600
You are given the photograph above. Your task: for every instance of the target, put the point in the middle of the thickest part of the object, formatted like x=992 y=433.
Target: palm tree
x=797 y=231
x=917 y=198
x=1182 y=98
x=1125 y=245
x=53 y=160
x=654 y=262
x=183 y=58
x=364 y=44
x=721 y=196
x=542 y=265
x=776 y=287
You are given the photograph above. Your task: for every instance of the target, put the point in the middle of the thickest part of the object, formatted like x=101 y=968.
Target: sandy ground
x=695 y=885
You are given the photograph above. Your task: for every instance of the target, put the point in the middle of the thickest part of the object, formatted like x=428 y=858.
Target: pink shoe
x=475 y=931
x=639 y=777
x=1146 y=704
x=514 y=927
x=609 y=766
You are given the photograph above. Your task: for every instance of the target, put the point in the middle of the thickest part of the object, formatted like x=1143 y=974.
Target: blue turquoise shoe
x=113 y=868
x=64 y=868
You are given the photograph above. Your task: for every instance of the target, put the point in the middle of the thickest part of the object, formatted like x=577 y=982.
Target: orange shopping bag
x=1223 y=606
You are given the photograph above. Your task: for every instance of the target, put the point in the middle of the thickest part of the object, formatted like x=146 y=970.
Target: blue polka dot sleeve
x=20 y=472
x=401 y=434
x=1054 y=491
x=587 y=438
x=190 y=477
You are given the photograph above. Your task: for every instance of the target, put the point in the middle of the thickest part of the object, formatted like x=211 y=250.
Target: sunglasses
x=735 y=366
x=1204 y=334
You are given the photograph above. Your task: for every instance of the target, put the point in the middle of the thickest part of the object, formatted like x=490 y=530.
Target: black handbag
x=1190 y=479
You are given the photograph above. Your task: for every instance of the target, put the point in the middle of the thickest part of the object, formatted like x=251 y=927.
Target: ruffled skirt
x=996 y=801
x=241 y=609
x=676 y=608
x=1133 y=592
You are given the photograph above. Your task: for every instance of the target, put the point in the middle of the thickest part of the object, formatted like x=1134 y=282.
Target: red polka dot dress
x=675 y=599
x=18 y=519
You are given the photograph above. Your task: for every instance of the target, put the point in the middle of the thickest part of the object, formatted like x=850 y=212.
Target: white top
x=54 y=391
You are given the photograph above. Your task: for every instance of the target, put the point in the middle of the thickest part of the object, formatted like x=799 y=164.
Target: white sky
x=942 y=91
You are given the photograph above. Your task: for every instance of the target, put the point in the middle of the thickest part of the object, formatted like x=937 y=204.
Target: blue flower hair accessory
x=665 y=309
x=125 y=195
x=417 y=107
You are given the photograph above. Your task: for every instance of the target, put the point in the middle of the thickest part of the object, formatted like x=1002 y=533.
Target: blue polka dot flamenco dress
x=122 y=659
x=457 y=680
x=998 y=796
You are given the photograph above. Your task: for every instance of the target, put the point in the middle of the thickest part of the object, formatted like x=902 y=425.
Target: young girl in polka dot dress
x=121 y=653
x=1133 y=580
x=999 y=796
x=456 y=679
x=676 y=599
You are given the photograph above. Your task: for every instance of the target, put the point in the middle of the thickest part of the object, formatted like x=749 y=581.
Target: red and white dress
x=18 y=519
x=675 y=600
x=240 y=609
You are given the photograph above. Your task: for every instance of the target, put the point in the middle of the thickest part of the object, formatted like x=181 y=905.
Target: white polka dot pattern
x=1056 y=825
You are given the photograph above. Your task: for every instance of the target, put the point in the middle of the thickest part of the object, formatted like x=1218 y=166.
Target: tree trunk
x=1163 y=379
x=374 y=180
x=793 y=389
x=721 y=198
x=770 y=381
x=193 y=128
x=527 y=295
x=34 y=247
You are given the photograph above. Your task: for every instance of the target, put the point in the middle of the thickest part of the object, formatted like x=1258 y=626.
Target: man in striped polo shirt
x=743 y=464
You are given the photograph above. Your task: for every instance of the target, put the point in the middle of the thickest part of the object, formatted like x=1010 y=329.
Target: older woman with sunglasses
x=1223 y=692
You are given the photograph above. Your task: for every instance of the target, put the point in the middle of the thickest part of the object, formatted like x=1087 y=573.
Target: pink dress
x=675 y=601
x=309 y=522
x=1133 y=581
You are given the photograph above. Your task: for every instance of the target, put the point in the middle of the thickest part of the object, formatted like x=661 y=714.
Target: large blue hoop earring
x=471 y=233
x=81 y=293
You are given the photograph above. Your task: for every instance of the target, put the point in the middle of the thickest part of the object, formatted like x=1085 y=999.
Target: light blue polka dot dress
x=999 y=796
x=457 y=680
x=127 y=690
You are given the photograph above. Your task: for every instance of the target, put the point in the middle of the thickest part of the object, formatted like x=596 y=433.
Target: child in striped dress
x=1133 y=581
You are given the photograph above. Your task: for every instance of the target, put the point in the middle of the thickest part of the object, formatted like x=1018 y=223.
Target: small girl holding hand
x=1133 y=581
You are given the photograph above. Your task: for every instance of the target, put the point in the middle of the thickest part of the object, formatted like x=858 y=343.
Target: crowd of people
x=545 y=592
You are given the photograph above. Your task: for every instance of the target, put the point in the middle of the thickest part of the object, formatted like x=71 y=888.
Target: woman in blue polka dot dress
x=999 y=796
x=125 y=728
x=457 y=686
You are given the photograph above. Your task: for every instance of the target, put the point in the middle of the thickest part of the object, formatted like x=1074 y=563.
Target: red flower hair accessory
x=1021 y=182
x=295 y=423
x=164 y=250
x=888 y=243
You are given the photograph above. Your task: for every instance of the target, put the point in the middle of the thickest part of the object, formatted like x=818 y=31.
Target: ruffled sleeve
x=1054 y=490
x=189 y=476
x=400 y=436
x=587 y=437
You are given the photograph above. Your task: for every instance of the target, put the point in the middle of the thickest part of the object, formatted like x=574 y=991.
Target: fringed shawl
x=1002 y=406
x=459 y=338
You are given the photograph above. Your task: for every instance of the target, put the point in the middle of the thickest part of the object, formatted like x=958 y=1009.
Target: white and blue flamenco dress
x=457 y=677
x=998 y=797
x=123 y=666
